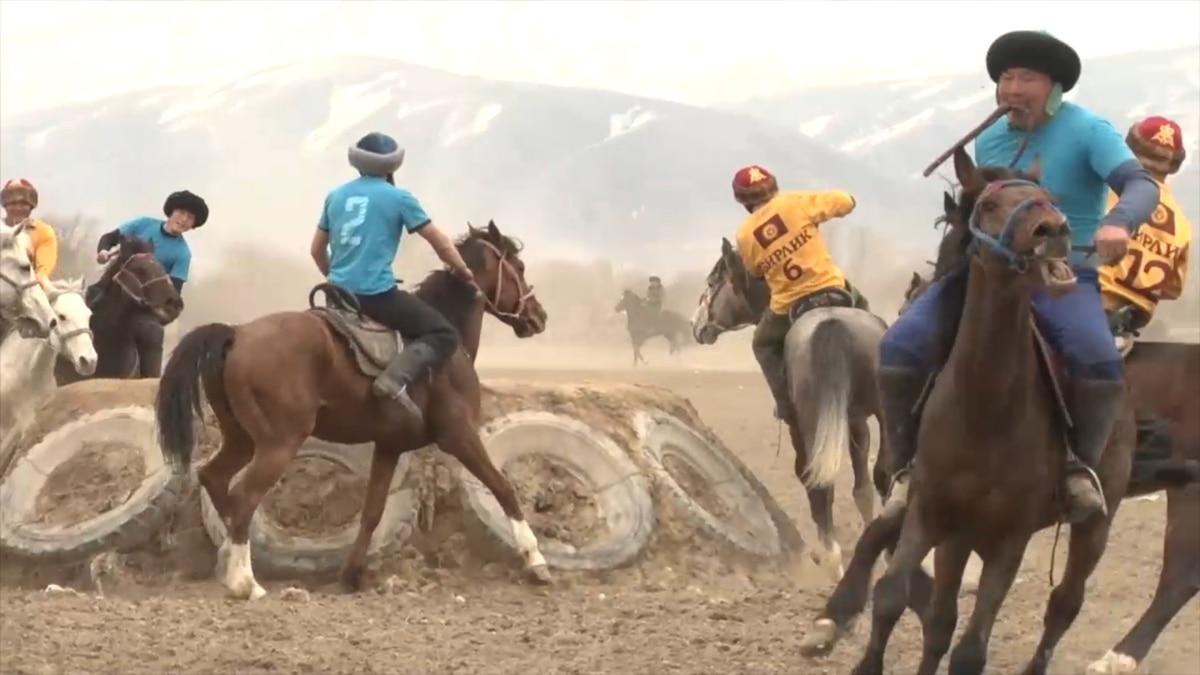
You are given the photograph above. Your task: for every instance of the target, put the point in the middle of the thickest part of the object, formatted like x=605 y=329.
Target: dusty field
x=630 y=623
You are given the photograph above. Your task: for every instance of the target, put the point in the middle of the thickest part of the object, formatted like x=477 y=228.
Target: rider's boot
x=405 y=368
x=1093 y=405
x=901 y=388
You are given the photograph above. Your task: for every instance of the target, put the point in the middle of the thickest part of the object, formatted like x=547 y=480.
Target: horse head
x=1013 y=223
x=141 y=282
x=72 y=337
x=721 y=308
x=22 y=298
x=495 y=261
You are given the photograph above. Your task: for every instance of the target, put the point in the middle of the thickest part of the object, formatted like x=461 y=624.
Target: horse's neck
x=471 y=332
x=993 y=359
x=29 y=365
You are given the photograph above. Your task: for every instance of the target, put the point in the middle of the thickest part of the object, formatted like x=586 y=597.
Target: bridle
x=505 y=269
x=134 y=287
x=21 y=288
x=706 y=299
x=64 y=335
x=1018 y=262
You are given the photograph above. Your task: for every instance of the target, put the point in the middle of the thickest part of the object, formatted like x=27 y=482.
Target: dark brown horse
x=1162 y=379
x=643 y=323
x=281 y=378
x=133 y=284
x=991 y=445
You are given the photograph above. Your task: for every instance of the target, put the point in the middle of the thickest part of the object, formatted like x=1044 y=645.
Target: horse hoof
x=1113 y=664
x=821 y=639
x=540 y=575
x=352 y=581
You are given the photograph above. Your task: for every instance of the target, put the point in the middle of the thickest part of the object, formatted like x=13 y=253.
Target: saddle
x=373 y=344
x=830 y=297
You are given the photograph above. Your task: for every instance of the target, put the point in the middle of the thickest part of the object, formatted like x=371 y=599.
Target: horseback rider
x=781 y=242
x=19 y=198
x=1155 y=268
x=1082 y=156
x=654 y=296
x=355 y=246
x=184 y=212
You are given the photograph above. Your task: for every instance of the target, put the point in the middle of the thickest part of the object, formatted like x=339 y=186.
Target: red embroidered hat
x=1158 y=144
x=19 y=189
x=754 y=185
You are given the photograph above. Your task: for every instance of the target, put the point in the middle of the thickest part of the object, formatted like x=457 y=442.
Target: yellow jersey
x=781 y=242
x=1155 y=268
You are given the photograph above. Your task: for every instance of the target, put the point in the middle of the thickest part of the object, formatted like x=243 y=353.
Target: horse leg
x=1000 y=567
x=820 y=508
x=950 y=559
x=1178 y=583
x=890 y=597
x=860 y=460
x=236 y=451
x=1087 y=544
x=271 y=459
x=383 y=467
x=463 y=443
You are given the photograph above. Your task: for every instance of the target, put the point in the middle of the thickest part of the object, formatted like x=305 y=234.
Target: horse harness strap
x=506 y=270
x=829 y=297
x=134 y=288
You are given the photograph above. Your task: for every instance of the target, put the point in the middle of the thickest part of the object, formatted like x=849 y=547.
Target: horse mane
x=61 y=286
x=450 y=295
x=952 y=261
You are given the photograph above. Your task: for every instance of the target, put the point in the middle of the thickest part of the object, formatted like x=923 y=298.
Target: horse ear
x=493 y=231
x=1035 y=170
x=967 y=173
x=948 y=204
x=916 y=280
x=726 y=247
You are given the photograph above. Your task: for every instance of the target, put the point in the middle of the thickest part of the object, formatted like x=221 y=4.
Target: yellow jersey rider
x=19 y=198
x=1155 y=268
x=781 y=243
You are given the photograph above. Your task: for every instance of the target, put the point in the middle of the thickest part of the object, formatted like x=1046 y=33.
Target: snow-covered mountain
x=574 y=172
x=899 y=127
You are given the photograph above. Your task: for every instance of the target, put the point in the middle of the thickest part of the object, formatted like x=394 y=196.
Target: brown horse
x=281 y=378
x=643 y=323
x=1162 y=380
x=133 y=284
x=950 y=486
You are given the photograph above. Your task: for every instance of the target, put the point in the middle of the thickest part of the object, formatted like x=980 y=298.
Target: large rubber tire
x=277 y=553
x=129 y=525
x=764 y=529
x=621 y=492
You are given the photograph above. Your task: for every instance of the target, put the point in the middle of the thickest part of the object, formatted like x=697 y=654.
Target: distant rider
x=184 y=212
x=1082 y=156
x=19 y=198
x=654 y=296
x=781 y=242
x=1155 y=269
x=355 y=246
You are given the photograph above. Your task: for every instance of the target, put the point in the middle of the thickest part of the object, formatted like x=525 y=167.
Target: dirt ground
x=725 y=624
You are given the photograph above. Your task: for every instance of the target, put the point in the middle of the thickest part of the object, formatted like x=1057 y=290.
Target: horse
x=23 y=301
x=832 y=359
x=281 y=378
x=28 y=364
x=643 y=323
x=132 y=286
x=1161 y=377
x=1016 y=466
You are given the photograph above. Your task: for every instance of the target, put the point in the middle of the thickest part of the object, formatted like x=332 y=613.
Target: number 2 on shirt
x=357 y=206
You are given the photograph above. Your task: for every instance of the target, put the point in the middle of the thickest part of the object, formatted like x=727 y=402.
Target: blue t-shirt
x=1078 y=150
x=171 y=251
x=365 y=219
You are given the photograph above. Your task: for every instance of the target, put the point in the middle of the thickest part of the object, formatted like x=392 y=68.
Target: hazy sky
x=51 y=52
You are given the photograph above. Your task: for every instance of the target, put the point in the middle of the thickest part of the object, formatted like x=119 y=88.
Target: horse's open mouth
x=1056 y=274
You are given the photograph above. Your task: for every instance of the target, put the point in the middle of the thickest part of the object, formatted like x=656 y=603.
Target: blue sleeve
x=182 y=265
x=1106 y=148
x=412 y=215
x=323 y=223
x=136 y=227
x=1137 y=196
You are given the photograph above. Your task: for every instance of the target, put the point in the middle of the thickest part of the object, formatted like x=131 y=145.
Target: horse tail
x=831 y=378
x=200 y=354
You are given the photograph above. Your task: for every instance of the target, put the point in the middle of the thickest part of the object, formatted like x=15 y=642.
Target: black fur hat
x=1035 y=50
x=189 y=202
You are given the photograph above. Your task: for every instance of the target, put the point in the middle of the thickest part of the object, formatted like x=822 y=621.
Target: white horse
x=28 y=363
x=22 y=300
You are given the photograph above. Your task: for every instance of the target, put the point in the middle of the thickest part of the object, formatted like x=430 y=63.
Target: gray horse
x=832 y=356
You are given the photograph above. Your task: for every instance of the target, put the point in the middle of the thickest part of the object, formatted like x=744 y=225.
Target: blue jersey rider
x=355 y=246
x=184 y=212
x=1081 y=156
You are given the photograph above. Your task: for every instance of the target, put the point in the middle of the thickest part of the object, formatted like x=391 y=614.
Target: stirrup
x=904 y=472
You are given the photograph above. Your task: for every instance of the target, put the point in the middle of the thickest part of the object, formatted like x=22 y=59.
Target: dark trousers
x=148 y=336
x=416 y=322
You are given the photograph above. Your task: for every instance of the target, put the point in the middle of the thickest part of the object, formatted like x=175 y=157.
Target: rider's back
x=1155 y=268
x=1077 y=150
x=365 y=219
